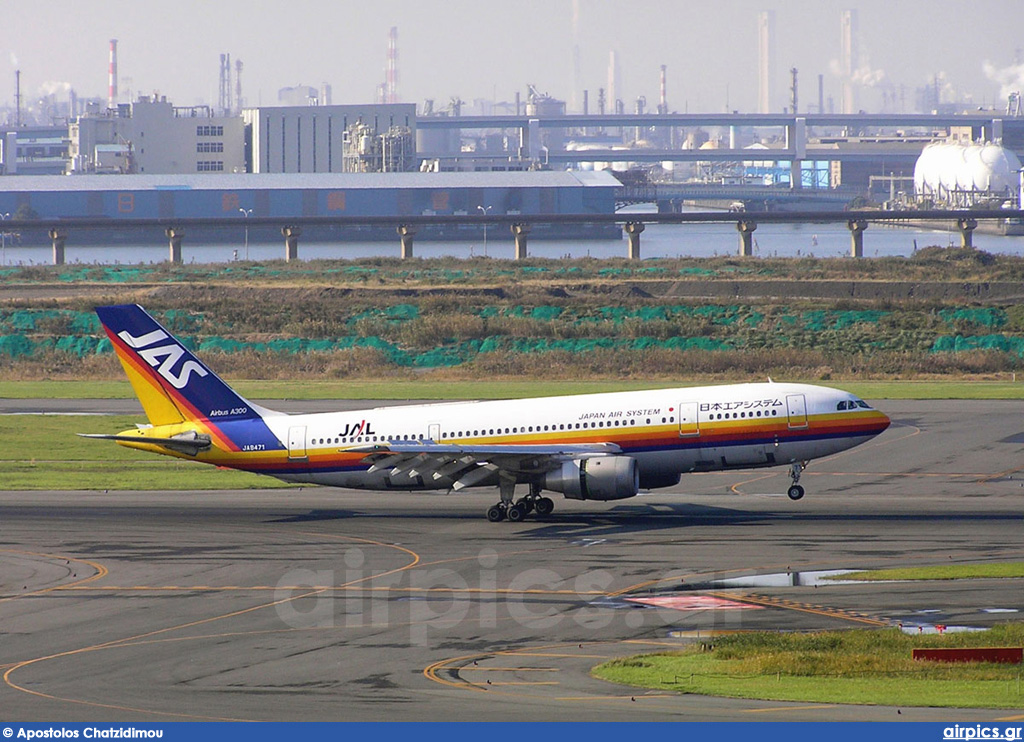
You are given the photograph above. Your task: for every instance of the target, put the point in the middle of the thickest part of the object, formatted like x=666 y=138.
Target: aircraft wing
x=468 y=464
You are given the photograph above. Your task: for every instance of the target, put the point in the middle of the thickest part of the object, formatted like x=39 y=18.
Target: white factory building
x=316 y=139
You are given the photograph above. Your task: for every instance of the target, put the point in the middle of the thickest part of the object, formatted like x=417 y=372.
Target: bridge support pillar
x=519 y=232
x=406 y=233
x=59 y=237
x=633 y=230
x=291 y=242
x=856 y=227
x=967 y=226
x=796 y=180
x=746 y=229
x=175 y=236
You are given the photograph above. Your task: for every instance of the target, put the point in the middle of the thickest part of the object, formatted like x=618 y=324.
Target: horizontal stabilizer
x=187 y=443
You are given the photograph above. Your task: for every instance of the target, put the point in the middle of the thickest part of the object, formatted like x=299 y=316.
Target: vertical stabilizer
x=172 y=384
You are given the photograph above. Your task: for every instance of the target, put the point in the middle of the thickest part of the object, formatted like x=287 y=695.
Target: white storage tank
x=945 y=168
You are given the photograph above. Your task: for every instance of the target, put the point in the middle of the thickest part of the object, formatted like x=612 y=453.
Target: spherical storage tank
x=947 y=166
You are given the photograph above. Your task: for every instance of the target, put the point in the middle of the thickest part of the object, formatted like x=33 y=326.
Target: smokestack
x=766 y=60
x=238 y=84
x=17 y=98
x=577 y=76
x=391 y=72
x=614 y=77
x=224 y=104
x=112 y=89
x=663 y=96
x=793 y=89
x=821 y=94
x=847 y=52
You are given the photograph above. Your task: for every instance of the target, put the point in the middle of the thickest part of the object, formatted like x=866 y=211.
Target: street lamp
x=3 y=238
x=246 y=213
x=484 y=212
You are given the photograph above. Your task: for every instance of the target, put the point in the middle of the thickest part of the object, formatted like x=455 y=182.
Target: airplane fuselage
x=588 y=447
x=668 y=432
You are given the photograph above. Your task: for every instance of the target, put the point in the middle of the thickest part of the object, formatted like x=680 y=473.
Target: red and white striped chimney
x=112 y=91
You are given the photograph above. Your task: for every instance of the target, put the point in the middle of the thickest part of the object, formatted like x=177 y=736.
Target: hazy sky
x=484 y=49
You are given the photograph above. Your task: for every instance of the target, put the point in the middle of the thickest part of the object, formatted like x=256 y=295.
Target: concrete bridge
x=519 y=225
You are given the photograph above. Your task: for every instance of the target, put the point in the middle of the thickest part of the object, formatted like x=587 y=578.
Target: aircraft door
x=434 y=432
x=689 y=425
x=796 y=406
x=297 y=443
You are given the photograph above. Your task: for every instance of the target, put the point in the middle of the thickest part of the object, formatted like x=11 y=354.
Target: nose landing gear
x=795 y=491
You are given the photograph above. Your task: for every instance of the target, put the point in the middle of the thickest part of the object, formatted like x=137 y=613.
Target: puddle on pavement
x=927 y=628
x=787 y=579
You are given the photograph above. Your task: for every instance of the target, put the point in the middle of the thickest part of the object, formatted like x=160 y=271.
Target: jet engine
x=652 y=481
x=599 y=478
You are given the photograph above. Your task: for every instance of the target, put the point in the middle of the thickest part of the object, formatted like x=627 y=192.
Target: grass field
x=501 y=389
x=42 y=452
x=939 y=572
x=856 y=667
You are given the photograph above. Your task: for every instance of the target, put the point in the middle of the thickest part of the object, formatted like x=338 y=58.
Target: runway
x=324 y=604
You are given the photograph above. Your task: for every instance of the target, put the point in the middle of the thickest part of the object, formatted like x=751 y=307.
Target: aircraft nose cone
x=883 y=421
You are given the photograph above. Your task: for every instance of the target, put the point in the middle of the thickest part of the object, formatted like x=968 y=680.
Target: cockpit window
x=862 y=403
x=841 y=405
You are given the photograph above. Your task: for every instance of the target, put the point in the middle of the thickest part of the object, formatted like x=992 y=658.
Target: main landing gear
x=796 y=491
x=525 y=505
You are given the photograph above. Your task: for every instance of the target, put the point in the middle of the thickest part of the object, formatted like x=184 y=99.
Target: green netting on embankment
x=49 y=321
x=960 y=344
x=982 y=316
x=19 y=346
x=394 y=313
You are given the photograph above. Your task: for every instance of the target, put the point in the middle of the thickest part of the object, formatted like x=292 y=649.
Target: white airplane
x=588 y=447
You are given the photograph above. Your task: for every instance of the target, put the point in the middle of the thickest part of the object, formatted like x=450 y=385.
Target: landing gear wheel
x=527 y=504
x=795 y=470
x=495 y=513
x=544 y=506
x=517 y=513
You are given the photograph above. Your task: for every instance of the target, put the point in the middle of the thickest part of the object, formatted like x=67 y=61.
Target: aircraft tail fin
x=171 y=383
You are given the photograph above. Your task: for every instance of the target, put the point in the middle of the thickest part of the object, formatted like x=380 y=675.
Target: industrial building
x=154 y=137
x=236 y=197
x=321 y=139
x=33 y=150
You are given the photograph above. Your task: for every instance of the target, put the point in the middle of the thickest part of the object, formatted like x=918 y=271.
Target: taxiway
x=324 y=604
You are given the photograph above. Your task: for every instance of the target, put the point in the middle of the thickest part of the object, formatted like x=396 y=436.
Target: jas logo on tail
x=163 y=357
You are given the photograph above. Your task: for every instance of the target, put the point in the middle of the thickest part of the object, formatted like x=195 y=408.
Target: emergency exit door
x=689 y=425
x=796 y=406
x=297 y=443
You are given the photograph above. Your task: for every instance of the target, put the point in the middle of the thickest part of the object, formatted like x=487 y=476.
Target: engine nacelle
x=599 y=478
x=649 y=481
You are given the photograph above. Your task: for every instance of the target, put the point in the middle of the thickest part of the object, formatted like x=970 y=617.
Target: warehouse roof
x=308 y=181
